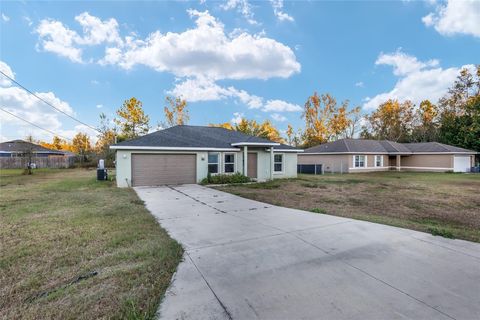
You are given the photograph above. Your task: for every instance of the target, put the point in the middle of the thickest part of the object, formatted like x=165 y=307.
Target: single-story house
x=187 y=154
x=358 y=155
x=13 y=156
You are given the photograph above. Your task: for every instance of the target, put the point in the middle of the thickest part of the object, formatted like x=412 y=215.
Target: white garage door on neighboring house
x=161 y=169
x=461 y=163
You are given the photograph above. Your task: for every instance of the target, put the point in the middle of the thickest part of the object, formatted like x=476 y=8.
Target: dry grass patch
x=76 y=248
x=439 y=203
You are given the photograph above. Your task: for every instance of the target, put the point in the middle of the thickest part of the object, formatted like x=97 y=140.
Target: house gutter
x=173 y=148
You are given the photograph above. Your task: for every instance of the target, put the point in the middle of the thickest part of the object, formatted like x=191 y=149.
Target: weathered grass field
x=443 y=204
x=76 y=248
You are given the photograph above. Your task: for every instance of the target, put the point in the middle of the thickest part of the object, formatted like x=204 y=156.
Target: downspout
x=272 y=165
x=245 y=160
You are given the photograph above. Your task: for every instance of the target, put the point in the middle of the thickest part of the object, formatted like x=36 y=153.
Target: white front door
x=461 y=163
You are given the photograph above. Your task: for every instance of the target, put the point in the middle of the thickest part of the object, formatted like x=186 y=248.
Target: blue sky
x=235 y=58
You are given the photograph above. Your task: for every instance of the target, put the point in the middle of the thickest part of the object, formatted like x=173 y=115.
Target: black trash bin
x=102 y=174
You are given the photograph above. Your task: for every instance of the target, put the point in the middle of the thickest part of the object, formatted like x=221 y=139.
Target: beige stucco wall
x=329 y=162
x=417 y=162
x=428 y=161
x=124 y=168
x=342 y=162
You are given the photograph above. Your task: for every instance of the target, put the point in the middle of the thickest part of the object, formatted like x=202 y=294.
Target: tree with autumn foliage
x=106 y=138
x=176 y=112
x=290 y=134
x=325 y=120
x=294 y=139
x=460 y=111
x=57 y=144
x=425 y=127
x=133 y=121
x=81 y=145
x=393 y=120
x=264 y=130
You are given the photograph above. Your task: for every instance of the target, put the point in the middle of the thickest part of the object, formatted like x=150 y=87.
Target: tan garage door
x=160 y=169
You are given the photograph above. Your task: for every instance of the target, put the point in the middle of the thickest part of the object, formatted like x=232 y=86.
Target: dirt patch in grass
x=77 y=248
x=442 y=204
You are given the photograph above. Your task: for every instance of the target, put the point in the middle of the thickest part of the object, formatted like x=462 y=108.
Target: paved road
x=247 y=260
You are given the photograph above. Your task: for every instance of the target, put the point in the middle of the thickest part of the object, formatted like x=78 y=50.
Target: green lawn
x=76 y=248
x=444 y=204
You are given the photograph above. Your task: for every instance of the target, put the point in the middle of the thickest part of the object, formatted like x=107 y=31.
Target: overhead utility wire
x=48 y=103
x=33 y=124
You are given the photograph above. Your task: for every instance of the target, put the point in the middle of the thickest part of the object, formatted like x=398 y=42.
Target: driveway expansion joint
x=229 y=315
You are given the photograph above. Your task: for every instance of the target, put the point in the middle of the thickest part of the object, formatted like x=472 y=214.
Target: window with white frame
x=213 y=162
x=378 y=161
x=359 y=161
x=229 y=163
x=278 y=163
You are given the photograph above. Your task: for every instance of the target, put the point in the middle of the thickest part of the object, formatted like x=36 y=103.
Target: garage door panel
x=160 y=169
x=461 y=163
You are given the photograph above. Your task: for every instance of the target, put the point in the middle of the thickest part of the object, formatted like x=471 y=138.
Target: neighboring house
x=186 y=154
x=357 y=155
x=15 y=154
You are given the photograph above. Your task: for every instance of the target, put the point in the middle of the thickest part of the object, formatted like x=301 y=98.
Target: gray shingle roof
x=21 y=146
x=434 y=147
x=382 y=146
x=185 y=136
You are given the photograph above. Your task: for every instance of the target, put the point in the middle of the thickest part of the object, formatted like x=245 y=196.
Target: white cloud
x=27 y=20
x=59 y=39
x=359 y=84
x=99 y=106
x=424 y=81
x=277 y=6
x=28 y=107
x=96 y=31
x=201 y=89
x=278 y=117
x=242 y=6
x=5 y=18
x=403 y=63
x=280 y=106
x=198 y=57
x=237 y=117
x=207 y=51
x=56 y=38
x=456 y=17
x=5 y=68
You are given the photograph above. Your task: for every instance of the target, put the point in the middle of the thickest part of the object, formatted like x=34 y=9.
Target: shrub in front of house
x=226 y=179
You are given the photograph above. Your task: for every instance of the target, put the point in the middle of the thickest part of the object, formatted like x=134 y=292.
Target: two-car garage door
x=160 y=169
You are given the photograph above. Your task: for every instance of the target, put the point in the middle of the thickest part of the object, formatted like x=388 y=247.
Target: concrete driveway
x=247 y=260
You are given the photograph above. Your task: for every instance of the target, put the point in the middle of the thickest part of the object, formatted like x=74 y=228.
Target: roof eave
x=146 y=148
x=255 y=144
x=289 y=150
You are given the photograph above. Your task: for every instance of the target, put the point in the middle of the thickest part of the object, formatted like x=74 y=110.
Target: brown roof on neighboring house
x=383 y=146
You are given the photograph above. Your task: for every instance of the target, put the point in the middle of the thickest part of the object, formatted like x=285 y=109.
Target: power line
x=48 y=103
x=33 y=124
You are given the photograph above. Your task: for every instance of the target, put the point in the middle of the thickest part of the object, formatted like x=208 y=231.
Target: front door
x=252 y=165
